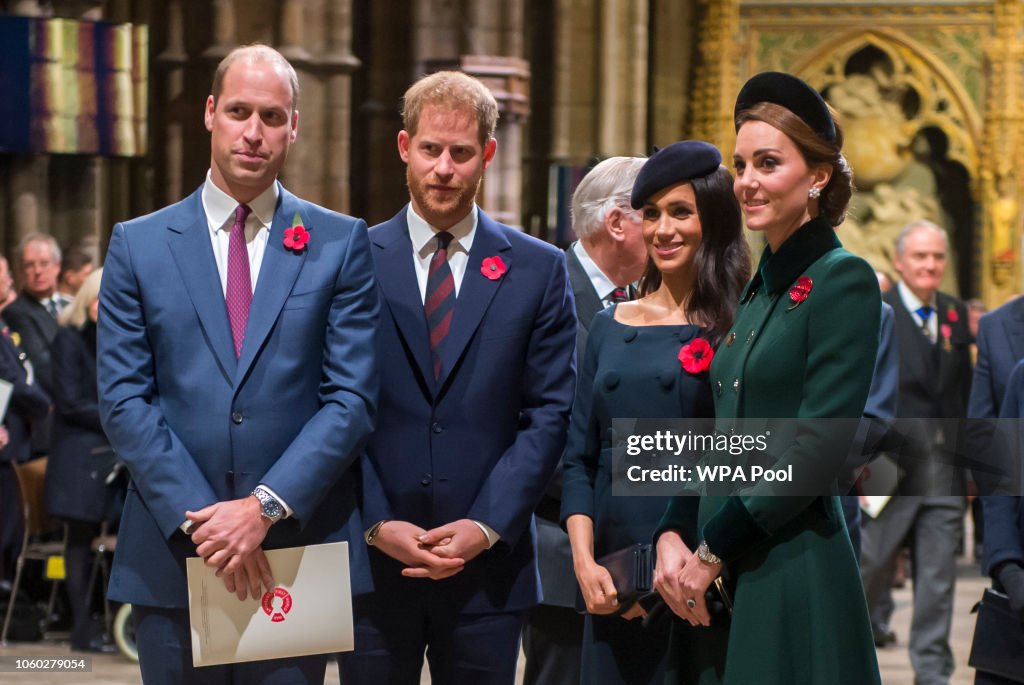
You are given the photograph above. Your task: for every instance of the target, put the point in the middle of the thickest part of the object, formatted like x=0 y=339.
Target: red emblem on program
x=277 y=615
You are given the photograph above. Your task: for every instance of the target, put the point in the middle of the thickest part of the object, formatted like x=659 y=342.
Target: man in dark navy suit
x=1004 y=516
x=479 y=329
x=608 y=258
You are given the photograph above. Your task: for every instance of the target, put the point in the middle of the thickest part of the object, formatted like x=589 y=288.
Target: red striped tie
x=239 y=292
x=439 y=304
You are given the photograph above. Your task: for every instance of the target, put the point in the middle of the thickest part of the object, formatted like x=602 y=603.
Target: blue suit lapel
x=476 y=292
x=397 y=280
x=278 y=272
x=193 y=253
x=1014 y=326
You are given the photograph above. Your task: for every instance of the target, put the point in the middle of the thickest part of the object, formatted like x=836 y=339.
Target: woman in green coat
x=800 y=352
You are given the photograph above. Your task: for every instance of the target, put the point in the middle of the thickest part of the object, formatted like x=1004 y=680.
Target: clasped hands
x=681 y=578
x=599 y=593
x=436 y=554
x=228 y=536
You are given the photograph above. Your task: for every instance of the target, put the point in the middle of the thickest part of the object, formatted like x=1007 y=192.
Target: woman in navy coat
x=80 y=456
x=648 y=359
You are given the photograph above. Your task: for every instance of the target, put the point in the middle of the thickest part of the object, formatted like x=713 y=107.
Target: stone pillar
x=337 y=64
x=670 y=70
x=574 y=94
x=224 y=30
x=715 y=87
x=171 y=62
x=1002 y=184
x=621 y=54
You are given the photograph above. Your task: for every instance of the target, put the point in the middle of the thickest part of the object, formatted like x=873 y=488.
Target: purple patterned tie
x=239 y=293
x=439 y=303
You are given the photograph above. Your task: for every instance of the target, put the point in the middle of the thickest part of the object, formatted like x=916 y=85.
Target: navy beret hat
x=675 y=163
x=792 y=93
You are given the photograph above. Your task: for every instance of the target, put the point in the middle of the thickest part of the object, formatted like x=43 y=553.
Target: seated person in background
x=80 y=455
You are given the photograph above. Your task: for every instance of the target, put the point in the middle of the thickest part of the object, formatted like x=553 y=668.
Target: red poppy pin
x=493 y=268
x=296 y=237
x=799 y=292
x=696 y=356
x=951 y=315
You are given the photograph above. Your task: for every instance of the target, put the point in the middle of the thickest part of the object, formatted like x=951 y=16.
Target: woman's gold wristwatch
x=705 y=554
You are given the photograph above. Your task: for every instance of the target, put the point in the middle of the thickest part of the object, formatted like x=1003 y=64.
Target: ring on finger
x=691 y=603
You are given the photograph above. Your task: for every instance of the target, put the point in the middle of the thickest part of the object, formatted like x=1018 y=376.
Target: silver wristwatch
x=271 y=508
x=705 y=554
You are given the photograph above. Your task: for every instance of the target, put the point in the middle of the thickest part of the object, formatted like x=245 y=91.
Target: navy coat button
x=237 y=417
x=425 y=481
x=436 y=427
x=629 y=335
x=611 y=380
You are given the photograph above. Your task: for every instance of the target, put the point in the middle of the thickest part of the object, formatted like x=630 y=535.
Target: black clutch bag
x=632 y=571
x=998 y=646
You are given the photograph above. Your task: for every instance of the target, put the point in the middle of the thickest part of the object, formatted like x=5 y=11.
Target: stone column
x=172 y=62
x=1002 y=184
x=715 y=87
x=622 y=82
x=338 y=63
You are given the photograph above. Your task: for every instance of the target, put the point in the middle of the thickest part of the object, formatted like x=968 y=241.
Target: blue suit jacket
x=1004 y=516
x=196 y=425
x=482 y=441
x=1000 y=347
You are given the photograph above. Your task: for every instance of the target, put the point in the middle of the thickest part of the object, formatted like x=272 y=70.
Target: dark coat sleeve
x=75 y=395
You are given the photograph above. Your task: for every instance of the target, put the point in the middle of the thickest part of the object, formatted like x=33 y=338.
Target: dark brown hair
x=815 y=150
x=722 y=261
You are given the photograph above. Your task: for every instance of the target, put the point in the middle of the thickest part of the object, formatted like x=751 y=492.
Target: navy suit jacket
x=196 y=425
x=1000 y=347
x=1004 y=516
x=482 y=441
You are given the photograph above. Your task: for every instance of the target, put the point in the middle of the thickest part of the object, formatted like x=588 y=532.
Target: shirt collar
x=911 y=301
x=220 y=207
x=602 y=284
x=778 y=270
x=421 y=234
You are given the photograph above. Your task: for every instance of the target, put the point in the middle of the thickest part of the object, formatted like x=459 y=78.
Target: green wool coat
x=800 y=614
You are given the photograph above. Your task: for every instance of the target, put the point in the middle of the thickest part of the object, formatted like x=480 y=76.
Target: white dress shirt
x=424 y=245
x=220 y=217
x=912 y=303
x=603 y=285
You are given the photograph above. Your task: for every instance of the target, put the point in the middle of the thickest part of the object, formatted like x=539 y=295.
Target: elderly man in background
x=934 y=382
x=603 y=265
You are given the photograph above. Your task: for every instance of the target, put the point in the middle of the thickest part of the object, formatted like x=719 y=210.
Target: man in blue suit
x=237 y=375
x=1004 y=516
x=479 y=331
